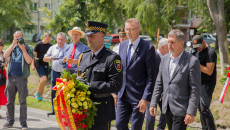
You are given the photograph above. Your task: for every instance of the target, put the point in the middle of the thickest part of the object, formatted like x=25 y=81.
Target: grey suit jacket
x=182 y=91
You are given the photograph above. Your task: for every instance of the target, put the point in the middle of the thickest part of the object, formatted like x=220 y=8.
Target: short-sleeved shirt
x=41 y=50
x=208 y=55
x=55 y=52
x=107 y=44
x=16 y=62
x=80 y=47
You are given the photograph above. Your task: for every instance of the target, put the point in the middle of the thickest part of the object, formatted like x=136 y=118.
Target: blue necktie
x=128 y=55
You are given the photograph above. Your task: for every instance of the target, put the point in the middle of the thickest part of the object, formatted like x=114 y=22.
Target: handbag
x=2 y=77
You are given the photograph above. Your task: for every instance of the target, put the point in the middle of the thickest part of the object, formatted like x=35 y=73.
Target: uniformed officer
x=102 y=68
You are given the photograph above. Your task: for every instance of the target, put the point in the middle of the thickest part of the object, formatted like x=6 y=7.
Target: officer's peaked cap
x=92 y=27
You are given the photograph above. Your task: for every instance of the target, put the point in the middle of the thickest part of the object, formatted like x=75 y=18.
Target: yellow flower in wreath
x=73 y=90
x=88 y=92
x=71 y=95
x=74 y=105
x=73 y=110
x=82 y=99
x=73 y=100
x=68 y=95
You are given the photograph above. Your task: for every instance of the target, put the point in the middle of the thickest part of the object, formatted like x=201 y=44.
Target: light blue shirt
x=173 y=63
x=96 y=53
x=78 y=50
x=107 y=44
x=134 y=46
x=55 y=52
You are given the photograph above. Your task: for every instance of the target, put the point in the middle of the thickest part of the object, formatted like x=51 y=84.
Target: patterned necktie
x=128 y=55
x=71 y=56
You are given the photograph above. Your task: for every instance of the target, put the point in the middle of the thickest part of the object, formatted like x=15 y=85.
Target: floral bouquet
x=226 y=82
x=73 y=107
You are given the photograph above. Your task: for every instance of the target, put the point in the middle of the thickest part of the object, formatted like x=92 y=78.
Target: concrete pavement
x=36 y=120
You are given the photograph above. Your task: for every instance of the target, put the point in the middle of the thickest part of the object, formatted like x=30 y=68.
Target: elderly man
x=139 y=74
x=102 y=68
x=21 y=55
x=69 y=57
x=42 y=67
x=150 y=120
x=53 y=54
x=178 y=84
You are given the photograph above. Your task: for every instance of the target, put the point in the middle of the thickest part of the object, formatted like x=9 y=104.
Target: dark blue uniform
x=104 y=73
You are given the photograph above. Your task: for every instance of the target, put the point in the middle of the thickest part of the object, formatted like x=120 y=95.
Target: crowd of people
x=127 y=83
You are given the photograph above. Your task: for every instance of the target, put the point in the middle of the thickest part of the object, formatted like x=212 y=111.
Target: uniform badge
x=118 y=65
x=87 y=24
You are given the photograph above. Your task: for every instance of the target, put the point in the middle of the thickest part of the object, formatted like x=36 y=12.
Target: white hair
x=17 y=32
x=162 y=42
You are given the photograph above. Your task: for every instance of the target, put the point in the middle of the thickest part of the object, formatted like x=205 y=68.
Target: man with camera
x=207 y=57
x=21 y=55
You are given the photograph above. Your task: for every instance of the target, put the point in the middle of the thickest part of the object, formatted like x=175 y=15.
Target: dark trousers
x=206 y=117
x=101 y=126
x=162 y=122
x=54 y=75
x=127 y=111
x=16 y=84
x=150 y=120
x=174 y=122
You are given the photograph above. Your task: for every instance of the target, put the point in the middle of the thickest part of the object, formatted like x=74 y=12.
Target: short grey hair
x=61 y=34
x=133 y=20
x=178 y=33
x=17 y=32
x=163 y=41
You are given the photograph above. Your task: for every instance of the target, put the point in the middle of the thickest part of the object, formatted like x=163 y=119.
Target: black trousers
x=206 y=117
x=174 y=122
x=101 y=126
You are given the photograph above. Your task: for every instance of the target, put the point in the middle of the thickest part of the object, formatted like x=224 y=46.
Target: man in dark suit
x=139 y=74
x=102 y=68
x=178 y=84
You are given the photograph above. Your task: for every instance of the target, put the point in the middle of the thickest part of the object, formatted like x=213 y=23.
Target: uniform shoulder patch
x=118 y=65
x=86 y=51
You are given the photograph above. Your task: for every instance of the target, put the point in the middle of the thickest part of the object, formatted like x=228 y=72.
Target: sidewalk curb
x=34 y=112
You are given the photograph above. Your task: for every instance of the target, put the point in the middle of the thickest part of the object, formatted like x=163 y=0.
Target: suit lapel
x=167 y=66
x=135 y=54
x=180 y=65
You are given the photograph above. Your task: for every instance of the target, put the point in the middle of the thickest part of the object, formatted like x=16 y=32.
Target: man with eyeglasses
x=139 y=74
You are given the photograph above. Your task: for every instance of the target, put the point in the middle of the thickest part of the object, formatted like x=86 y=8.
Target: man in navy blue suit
x=139 y=74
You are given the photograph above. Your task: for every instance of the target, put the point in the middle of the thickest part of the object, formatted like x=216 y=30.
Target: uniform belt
x=101 y=95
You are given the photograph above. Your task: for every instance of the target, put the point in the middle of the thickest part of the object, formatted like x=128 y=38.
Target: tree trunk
x=11 y=36
x=216 y=10
x=216 y=44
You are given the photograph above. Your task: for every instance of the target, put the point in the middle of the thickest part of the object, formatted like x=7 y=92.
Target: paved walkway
x=36 y=120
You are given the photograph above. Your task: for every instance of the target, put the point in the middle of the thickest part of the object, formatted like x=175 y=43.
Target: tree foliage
x=71 y=13
x=14 y=13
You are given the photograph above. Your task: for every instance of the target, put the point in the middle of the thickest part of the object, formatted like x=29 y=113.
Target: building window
x=47 y=5
x=35 y=7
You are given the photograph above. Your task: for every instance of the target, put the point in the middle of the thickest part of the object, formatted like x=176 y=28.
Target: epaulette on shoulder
x=86 y=51
x=110 y=51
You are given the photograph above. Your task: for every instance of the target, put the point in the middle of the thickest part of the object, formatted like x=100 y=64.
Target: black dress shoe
x=8 y=125
x=50 y=113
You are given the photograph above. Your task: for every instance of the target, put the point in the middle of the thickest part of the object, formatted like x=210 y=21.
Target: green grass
x=34 y=103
